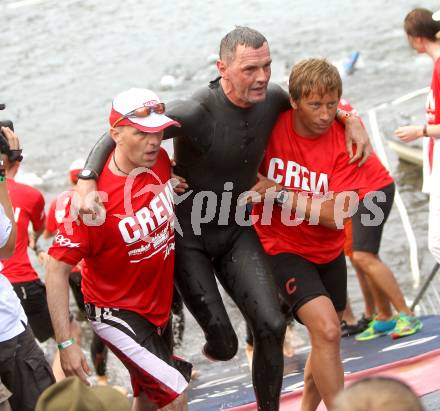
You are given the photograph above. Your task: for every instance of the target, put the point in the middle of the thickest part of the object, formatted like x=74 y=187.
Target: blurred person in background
x=377 y=394
x=375 y=277
x=23 y=369
x=423 y=31
x=28 y=205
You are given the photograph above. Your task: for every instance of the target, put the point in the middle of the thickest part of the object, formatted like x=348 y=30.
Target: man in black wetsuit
x=218 y=149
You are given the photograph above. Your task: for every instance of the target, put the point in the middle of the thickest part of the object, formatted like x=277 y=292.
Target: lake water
x=62 y=62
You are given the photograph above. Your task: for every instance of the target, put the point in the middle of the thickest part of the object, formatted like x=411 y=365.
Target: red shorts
x=144 y=351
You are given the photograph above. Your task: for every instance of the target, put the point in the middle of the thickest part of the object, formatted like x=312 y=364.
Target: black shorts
x=75 y=279
x=299 y=280
x=32 y=295
x=370 y=218
x=144 y=350
x=24 y=371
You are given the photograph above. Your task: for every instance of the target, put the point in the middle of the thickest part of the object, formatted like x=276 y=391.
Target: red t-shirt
x=28 y=204
x=376 y=175
x=130 y=257
x=433 y=107
x=309 y=165
x=55 y=216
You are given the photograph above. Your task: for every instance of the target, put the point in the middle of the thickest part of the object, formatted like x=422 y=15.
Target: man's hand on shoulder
x=356 y=134
x=179 y=183
x=87 y=201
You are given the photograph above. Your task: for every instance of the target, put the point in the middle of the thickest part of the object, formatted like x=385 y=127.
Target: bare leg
x=382 y=277
x=311 y=396
x=142 y=403
x=348 y=315
x=383 y=307
x=369 y=303
x=327 y=375
x=289 y=340
x=56 y=367
x=179 y=404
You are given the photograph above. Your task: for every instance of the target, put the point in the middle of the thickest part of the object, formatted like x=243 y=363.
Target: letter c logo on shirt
x=290 y=285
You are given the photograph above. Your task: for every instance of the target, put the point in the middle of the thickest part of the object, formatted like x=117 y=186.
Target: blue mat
x=226 y=385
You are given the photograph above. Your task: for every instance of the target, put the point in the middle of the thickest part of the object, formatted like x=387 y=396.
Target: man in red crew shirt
x=307 y=164
x=129 y=256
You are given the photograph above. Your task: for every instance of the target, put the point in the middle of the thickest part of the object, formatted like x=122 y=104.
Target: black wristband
x=88 y=174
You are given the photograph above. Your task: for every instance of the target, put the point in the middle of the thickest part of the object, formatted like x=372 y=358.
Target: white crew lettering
x=149 y=219
x=129 y=222
x=271 y=172
x=292 y=171
x=322 y=185
x=297 y=176
x=144 y=217
x=157 y=210
x=305 y=178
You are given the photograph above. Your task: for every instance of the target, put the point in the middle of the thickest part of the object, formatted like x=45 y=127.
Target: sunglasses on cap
x=143 y=111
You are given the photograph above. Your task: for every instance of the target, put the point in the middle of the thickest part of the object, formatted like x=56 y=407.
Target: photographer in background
x=23 y=368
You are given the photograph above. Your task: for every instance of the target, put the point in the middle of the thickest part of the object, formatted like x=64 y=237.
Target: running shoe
x=376 y=329
x=405 y=325
x=348 y=330
x=364 y=323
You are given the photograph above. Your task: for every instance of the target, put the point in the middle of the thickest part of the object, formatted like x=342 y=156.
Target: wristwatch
x=282 y=196
x=88 y=174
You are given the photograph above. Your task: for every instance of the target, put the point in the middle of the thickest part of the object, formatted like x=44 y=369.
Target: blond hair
x=314 y=75
x=377 y=393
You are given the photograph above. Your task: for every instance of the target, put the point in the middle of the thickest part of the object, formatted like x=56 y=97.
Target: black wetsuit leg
x=246 y=276
x=99 y=353
x=75 y=279
x=244 y=272
x=195 y=280
x=178 y=319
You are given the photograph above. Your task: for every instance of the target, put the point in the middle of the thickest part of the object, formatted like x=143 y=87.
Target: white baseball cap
x=140 y=108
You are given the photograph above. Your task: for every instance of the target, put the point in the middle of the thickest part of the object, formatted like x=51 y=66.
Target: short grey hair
x=244 y=36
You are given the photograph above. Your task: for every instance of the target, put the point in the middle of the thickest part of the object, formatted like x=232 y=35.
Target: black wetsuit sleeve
x=282 y=98
x=99 y=153
x=194 y=118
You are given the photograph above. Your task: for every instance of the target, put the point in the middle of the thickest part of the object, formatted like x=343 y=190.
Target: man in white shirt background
x=23 y=369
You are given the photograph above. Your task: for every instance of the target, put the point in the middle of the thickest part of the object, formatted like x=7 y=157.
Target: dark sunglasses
x=143 y=111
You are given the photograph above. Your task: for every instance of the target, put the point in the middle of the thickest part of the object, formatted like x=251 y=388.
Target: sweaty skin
x=221 y=143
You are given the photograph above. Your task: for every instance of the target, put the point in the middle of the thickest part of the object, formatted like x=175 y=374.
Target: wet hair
x=244 y=36
x=419 y=23
x=377 y=393
x=314 y=75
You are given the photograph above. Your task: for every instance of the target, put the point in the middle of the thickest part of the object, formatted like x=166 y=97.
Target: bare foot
x=195 y=373
x=249 y=350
